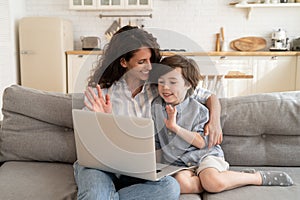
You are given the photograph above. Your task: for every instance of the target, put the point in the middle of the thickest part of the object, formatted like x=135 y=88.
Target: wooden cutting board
x=248 y=44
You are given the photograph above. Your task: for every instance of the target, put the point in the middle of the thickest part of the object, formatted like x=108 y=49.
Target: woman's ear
x=123 y=62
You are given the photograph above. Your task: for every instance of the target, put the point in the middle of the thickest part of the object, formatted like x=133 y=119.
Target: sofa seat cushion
x=36 y=181
x=262 y=192
x=190 y=197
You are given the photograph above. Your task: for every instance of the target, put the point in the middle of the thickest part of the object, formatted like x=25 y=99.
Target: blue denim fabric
x=95 y=184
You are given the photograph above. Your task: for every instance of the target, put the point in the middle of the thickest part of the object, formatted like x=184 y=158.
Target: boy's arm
x=191 y=137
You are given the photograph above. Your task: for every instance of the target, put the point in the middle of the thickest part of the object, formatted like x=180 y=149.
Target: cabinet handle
x=274 y=58
x=80 y=56
x=223 y=57
x=26 y=52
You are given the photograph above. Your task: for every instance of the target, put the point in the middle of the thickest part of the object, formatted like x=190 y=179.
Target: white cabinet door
x=138 y=4
x=79 y=70
x=83 y=4
x=274 y=73
x=216 y=67
x=298 y=74
x=110 y=4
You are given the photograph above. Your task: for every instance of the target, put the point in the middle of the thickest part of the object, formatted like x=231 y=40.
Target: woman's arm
x=213 y=126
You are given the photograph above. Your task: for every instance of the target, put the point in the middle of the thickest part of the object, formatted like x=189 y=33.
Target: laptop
x=118 y=144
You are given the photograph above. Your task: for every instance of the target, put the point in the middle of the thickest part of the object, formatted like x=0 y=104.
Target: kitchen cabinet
x=254 y=74
x=298 y=74
x=110 y=4
x=82 y=4
x=125 y=4
x=227 y=74
x=232 y=73
x=79 y=68
x=274 y=73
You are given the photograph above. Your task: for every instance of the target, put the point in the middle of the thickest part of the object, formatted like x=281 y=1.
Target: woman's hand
x=96 y=102
x=215 y=133
x=213 y=126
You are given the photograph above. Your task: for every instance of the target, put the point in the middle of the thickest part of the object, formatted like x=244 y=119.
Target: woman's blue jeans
x=95 y=184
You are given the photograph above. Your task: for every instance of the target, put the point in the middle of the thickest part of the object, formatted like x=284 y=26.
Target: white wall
x=200 y=20
x=10 y=12
x=197 y=19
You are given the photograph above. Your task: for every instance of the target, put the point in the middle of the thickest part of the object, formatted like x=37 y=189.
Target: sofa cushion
x=262 y=129
x=36 y=181
x=36 y=125
x=262 y=192
x=190 y=197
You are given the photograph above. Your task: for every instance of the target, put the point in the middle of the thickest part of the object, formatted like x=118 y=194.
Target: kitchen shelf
x=251 y=6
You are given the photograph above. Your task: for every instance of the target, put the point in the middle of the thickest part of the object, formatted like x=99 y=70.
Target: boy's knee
x=212 y=183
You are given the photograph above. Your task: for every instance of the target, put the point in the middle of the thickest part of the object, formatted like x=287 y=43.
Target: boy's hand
x=171 y=121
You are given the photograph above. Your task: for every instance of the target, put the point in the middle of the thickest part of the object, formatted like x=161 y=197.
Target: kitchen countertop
x=210 y=53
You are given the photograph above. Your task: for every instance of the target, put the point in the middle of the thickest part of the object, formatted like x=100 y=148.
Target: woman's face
x=172 y=87
x=139 y=66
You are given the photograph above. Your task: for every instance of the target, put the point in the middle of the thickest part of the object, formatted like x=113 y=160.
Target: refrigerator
x=43 y=42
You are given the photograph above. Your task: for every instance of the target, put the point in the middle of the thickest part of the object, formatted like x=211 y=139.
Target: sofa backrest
x=37 y=126
x=259 y=130
x=262 y=129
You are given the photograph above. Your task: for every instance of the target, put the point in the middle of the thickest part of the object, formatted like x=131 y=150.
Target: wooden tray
x=248 y=44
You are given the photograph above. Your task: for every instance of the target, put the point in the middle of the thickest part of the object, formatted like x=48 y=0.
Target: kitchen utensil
x=114 y=27
x=222 y=34
x=250 y=43
x=90 y=43
x=279 y=41
x=218 y=47
x=295 y=44
x=232 y=46
x=224 y=42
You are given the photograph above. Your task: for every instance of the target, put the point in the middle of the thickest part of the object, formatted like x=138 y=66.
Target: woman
x=121 y=79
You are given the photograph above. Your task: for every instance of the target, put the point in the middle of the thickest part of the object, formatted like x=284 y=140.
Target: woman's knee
x=93 y=184
x=171 y=187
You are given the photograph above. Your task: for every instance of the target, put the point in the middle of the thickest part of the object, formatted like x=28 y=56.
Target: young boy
x=179 y=122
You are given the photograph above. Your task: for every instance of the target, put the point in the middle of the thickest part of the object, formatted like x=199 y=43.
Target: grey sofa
x=37 y=146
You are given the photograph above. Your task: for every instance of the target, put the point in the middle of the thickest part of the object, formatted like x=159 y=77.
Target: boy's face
x=172 y=87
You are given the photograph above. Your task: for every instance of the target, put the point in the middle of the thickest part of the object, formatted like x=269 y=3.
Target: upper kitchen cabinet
x=83 y=4
x=111 y=4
